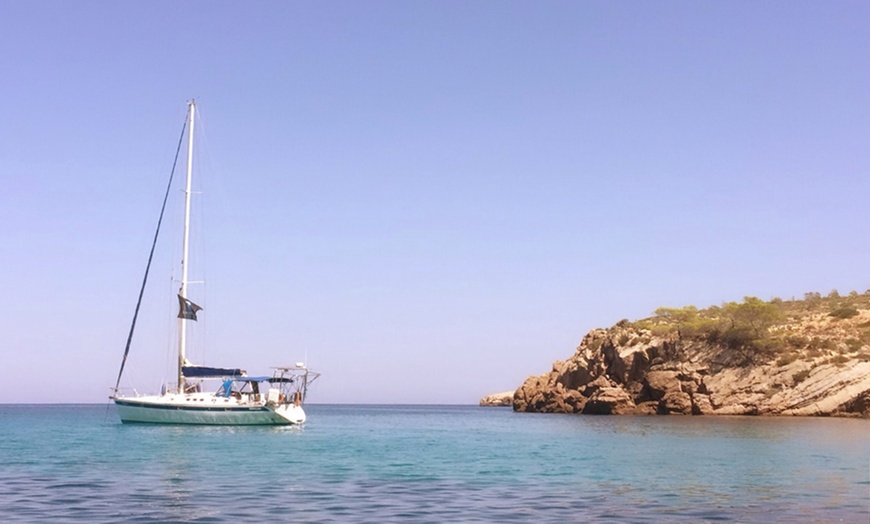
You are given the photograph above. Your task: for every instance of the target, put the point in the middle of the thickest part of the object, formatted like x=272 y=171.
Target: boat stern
x=291 y=413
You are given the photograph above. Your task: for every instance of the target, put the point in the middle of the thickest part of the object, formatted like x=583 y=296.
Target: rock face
x=630 y=370
x=498 y=399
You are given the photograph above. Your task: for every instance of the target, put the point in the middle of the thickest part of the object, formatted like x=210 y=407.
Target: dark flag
x=187 y=309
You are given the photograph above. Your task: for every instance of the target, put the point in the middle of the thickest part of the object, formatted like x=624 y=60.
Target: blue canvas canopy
x=227 y=386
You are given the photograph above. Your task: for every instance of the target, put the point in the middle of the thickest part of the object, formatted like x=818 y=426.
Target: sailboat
x=210 y=395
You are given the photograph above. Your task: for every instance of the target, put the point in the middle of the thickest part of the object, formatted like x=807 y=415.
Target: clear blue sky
x=428 y=201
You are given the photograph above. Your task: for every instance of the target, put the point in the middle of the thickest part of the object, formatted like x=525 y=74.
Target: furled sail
x=205 y=371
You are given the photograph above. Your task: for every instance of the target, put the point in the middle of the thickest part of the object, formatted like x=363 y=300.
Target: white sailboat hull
x=203 y=409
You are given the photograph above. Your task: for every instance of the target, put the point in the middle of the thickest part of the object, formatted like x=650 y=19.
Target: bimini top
x=226 y=388
x=204 y=371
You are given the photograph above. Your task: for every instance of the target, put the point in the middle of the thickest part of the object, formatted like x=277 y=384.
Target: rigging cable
x=150 y=257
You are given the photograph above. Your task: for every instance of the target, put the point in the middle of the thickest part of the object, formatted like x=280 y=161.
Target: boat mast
x=182 y=323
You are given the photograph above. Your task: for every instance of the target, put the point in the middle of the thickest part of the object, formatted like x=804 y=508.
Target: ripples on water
x=433 y=464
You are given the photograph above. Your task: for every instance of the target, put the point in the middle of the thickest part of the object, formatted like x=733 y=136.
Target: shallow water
x=433 y=464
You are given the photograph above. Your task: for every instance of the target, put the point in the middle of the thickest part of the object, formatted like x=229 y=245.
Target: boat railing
x=124 y=392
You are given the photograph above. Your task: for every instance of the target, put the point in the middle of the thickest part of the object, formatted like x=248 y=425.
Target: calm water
x=433 y=464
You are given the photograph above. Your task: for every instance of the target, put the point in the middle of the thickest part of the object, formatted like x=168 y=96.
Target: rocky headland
x=797 y=357
x=505 y=398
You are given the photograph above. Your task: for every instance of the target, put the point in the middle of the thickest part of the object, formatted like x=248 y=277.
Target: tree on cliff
x=746 y=324
x=753 y=314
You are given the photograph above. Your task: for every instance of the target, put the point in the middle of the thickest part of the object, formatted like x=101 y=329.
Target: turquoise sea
x=78 y=463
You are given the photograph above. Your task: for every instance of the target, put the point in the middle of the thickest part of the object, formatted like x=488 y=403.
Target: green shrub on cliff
x=800 y=376
x=688 y=322
x=677 y=314
x=843 y=312
x=854 y=344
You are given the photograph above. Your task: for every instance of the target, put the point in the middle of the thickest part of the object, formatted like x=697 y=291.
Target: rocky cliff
x=756 y=358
